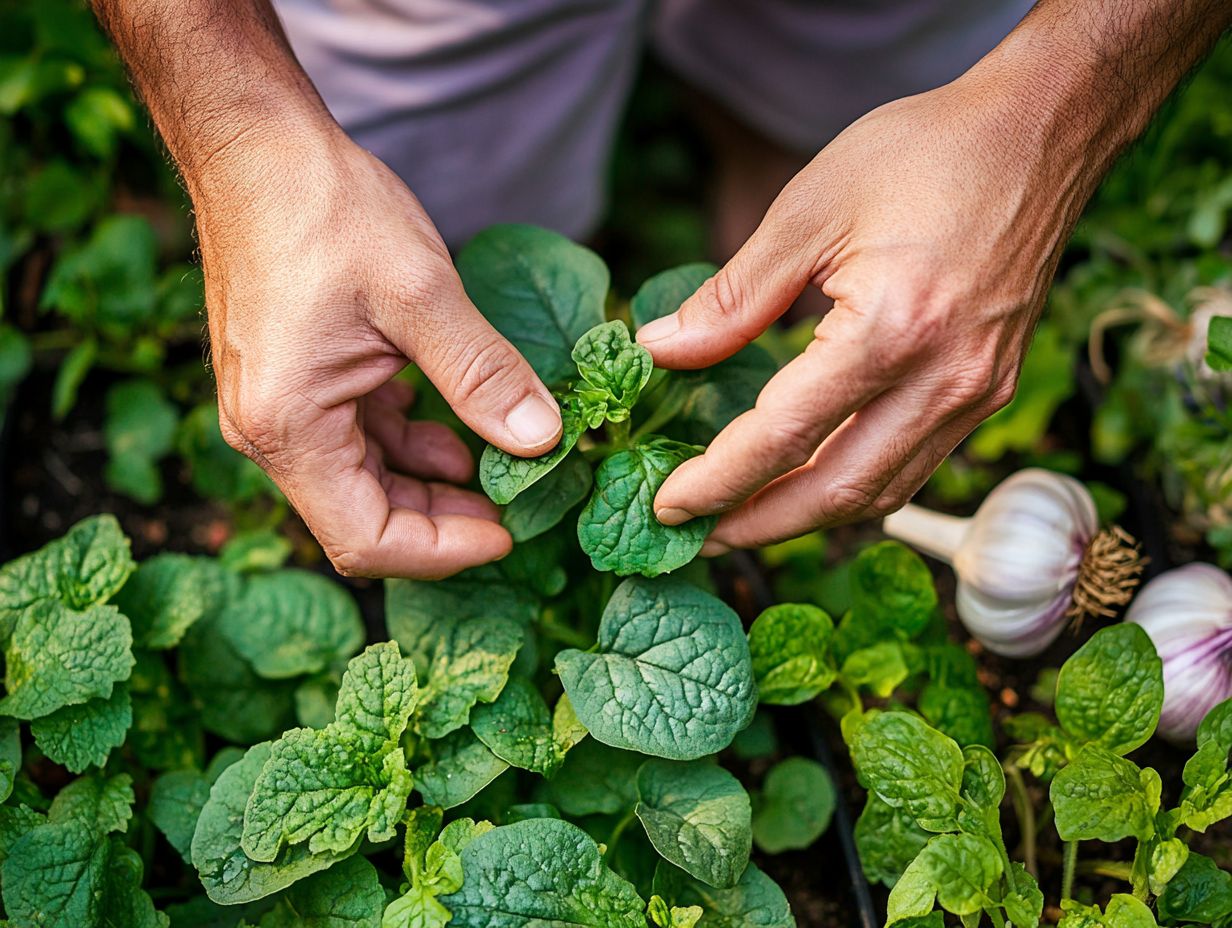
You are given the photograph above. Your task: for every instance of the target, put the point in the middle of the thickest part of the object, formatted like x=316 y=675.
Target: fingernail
x=670 y=515
x=714 y=549
x=533 y=422
x=660 y=329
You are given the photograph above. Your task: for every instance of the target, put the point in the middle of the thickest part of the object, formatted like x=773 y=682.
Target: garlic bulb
x=1188 y=614
x=1031 y=558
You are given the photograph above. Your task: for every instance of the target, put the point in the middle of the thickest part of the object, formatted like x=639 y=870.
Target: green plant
x=934 y=828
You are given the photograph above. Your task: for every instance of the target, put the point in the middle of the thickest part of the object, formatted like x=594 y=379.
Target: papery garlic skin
x=1017 y=559
x=1187 y=612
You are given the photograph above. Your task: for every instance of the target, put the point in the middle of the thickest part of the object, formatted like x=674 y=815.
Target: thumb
x=480 y=374
x=737 y=304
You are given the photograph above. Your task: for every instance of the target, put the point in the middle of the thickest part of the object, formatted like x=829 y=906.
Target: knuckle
x=886 y=504
x=483 y=368
x=721 y=298
x=1001 y=393
x=845 y=499
x=423 y=285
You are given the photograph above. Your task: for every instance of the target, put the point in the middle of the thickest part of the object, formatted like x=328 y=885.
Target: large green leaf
x=697 y=815
x=541 y=872
x=618 y=528
x=168 y=594
x=61 y=657
x=519 y=729
x=84 y=735
x=910 y=766
x=892 y=589
x=139 y=429
x=329 y=787
x=1101 y=796
x=595 y=780
x=292 y=622
x=956 y=870
x=1201 y=893
x=540 y=290
x=671 y=676
x=226 y=872
x=1112 y=689
x=888 y=839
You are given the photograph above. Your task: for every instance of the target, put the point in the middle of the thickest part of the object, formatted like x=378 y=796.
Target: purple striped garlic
x=1187 y=612
x=1030 y=559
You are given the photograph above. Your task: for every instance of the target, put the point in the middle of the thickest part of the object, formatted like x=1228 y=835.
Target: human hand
x=935 y=224
x=323 y=278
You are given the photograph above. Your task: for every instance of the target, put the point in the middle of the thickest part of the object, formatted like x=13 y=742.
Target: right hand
x=323 y=278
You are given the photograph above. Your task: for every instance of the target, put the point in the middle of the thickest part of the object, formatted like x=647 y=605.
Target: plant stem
x=1026 y=817
x=1114 y=869
x=619 y=434
x=934 y=533
x=549 y=628
x=614 y=838
x=664 y=412
x=1068 y=867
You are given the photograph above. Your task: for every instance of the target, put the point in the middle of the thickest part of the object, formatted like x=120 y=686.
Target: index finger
x=802 y=404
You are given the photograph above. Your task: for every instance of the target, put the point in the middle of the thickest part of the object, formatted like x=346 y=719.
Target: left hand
x=935 y=224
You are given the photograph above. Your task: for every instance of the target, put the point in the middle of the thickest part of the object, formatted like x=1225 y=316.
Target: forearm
x=220 y=81
x=1081 y=79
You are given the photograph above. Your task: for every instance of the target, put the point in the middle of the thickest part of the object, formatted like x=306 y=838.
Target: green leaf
x=176 y=801
x=66 y=875
x=347 y=895
x=504 y=476
x=167 y=595
x=754 y=902
x=292 y=622
x=1112 y=689
x=665 y=292
x=892 y=588
x=10 y=755
x=218 y=471
x=463 y=635
x=672 y=676
x=413 y=608
x=962 y=712
x=16 y=359
x=226 y=872
x=910 y=766
x=59 y=197
x=60 y=657
x=1024 y=902
x=714 y=396
x=541 y=872
x=518 y=729
x=956 y=870
x=1100 y=796
x=86 y=566
x=541 y=291
x=105 y=803
x=538 y=565
x=233 y=701
x=254 y=551
x=1207 y=796
x=888 y=839
x=547 y=501
x=618 y=528
x=698 y=817
x=790 y=648
x=796 y=802
x=328 y=787
x=15 y=823
x=97 y=117
x=1200 y=893
x=1123 y=911
x=614 y=370
x=595 y=780
x=461 y=766
x=880 y=667
x=108 y=281
x=139 y=429
x=1219 y=344
x=983 y=780
x=84 y=735
x=416 y=908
